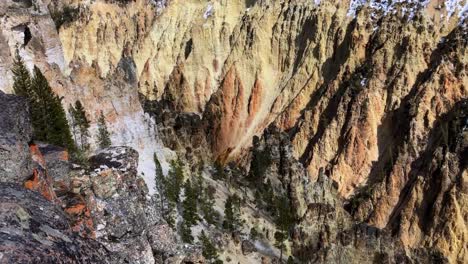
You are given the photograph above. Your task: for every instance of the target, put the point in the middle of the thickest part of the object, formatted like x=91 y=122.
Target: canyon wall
x=372 y=93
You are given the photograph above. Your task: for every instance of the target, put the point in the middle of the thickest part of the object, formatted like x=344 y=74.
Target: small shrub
x=66 y=15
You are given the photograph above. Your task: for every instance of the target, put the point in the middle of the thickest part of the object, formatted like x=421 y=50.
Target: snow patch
x=209 y=11
x=409 y=7
x=160 y=5
x=364 y=82
x=453 y=5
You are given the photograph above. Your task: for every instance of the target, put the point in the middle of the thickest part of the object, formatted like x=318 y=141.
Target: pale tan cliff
x=361 y=96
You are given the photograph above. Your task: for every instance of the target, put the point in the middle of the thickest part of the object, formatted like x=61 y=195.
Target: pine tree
x=232 y=213
x=48 y=116
x=284 y=218
x=206 y=201
x=103 y=136
x=280 y=237
x=21 y=77
x=261 y=160
x=189 y=205
x=186 y=233
x=159 y=182
x=174 y=181
x=80 y=124
x=166 y=207
x=168 y=215
x=209 y=251
x=189 y=213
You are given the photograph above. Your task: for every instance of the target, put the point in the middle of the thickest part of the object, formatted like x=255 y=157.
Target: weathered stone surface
x=15 y=134
x=56 y=161
x=33 y=230
x=362 y=93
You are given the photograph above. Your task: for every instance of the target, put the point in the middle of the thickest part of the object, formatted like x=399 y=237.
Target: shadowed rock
x=15 y=133
x=33 y=230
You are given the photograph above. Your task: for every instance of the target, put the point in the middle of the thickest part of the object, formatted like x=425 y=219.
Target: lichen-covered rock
x=33 y=230
x=15 y=133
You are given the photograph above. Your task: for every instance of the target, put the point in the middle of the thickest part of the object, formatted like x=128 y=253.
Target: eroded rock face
x=324 y=232
x=109 y=202
x=33 y=31
x=32 y=229
x=364 y=94
x=120 y=205
x=15 y=134
x=65 y=213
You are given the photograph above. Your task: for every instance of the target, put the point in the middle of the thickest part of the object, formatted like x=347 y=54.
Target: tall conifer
x=21 y=77
x=232 y=213
x=103 y=136
x=80 y=125
x=48 y=116
x=209 y=251
x=189 y=205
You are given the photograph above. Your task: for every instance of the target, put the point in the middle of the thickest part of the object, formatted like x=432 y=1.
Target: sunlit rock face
x=372 y=93
x=30 y=29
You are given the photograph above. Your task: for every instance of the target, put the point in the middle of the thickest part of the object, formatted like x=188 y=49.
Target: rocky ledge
x=54 y=211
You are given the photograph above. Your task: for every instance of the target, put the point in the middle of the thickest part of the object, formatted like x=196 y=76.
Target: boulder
x=248 y=247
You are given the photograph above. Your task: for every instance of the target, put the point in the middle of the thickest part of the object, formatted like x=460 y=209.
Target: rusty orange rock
x=37 y=155
x=41 y=183
x=78 y=209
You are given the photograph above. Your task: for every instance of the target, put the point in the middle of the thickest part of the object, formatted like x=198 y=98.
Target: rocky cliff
x=360 y=103
x=54 y=211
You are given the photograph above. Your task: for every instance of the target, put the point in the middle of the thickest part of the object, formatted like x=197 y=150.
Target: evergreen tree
x=21 y=77
x=261 y=160
x=189 y=205
x=80 y=124
x=159 y=182
x=174 y=181
x=280 y=238
x=267 y=196
x=232 y=213
x=168 y=215
x=103 y=136
x=47 y=114
x=206 y=201
x=284 y=218
x=209 y=251
x=186 y=233
x=166 y=208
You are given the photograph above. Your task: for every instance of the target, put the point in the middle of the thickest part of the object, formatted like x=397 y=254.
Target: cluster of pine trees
x=48 y=116
x=197 y=204
x=232 y=213
x=277 y=205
